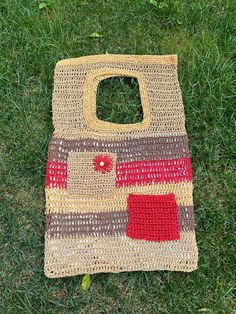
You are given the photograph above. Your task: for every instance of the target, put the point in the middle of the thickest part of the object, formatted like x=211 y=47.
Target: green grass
x=123 y=93
x=202 y=33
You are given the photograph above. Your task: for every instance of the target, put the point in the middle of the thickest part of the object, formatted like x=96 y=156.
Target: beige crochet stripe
x=68 y=257
x=166 y=59
x=103 y=223
x=60 y=201
x=80 y=135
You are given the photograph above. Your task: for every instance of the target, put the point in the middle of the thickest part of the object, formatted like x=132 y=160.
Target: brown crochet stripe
x=103 y=224
x=150 y=148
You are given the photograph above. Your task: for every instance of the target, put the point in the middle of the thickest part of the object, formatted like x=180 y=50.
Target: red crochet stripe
x=153 y=217
x=130 y=173
x=56 y=175
x=153 y=172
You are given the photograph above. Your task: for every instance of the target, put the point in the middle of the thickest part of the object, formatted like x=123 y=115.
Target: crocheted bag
x=118 y=196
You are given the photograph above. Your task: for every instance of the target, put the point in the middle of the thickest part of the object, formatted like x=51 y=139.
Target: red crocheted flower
x=103 y=163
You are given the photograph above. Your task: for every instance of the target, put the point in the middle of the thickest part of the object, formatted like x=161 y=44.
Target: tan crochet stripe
x=60 y=201
x=67 y=257
x=103 y=223
x=150 y=148
x=166 y=59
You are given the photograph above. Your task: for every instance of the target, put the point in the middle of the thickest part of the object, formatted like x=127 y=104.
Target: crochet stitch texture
x=118 y=196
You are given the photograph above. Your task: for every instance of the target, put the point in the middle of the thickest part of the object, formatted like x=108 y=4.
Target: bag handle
x=75 y=88
x=89 y=101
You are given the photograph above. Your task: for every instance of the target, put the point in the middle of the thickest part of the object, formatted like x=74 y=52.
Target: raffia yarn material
x=118 y=196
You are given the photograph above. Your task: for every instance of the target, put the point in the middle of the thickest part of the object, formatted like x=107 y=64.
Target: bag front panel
x=118 y=200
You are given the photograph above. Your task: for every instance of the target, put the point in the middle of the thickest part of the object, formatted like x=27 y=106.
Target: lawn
x=34 y=36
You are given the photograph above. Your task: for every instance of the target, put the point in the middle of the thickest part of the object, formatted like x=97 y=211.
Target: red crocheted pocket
x=153 y=217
